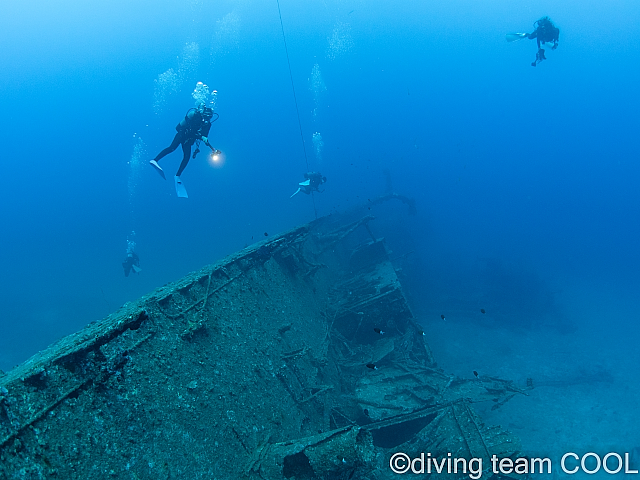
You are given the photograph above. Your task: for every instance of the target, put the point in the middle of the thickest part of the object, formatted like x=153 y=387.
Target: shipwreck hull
x=254 y=367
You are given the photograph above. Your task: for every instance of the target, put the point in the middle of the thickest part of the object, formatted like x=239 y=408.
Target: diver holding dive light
x=194 y=128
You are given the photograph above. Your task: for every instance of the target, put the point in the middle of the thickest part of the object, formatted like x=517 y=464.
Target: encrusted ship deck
x=254 y=367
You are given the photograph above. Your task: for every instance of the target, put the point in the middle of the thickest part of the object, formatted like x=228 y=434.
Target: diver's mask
x=207 y=112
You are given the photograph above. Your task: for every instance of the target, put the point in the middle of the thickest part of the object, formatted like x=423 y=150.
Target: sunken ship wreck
x=264 y=365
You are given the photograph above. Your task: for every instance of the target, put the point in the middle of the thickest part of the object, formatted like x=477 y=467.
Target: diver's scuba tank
x=187 y=121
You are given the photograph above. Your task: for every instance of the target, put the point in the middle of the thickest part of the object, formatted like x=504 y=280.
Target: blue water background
x=522 y=176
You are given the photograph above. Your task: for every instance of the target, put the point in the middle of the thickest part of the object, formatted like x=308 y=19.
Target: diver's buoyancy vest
x=191 y=121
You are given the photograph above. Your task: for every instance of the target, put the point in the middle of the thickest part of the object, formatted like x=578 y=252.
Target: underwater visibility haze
x=525 y=178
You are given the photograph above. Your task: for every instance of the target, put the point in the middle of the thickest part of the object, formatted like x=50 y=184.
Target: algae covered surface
x=268 y=364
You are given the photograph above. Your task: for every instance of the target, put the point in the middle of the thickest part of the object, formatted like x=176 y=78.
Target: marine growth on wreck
x=295 y=358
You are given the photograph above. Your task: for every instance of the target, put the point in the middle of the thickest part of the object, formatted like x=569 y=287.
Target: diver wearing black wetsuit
x=315 y=180
x=545 y=32
x=194 y=127
x=132 y=262
x=311 y=184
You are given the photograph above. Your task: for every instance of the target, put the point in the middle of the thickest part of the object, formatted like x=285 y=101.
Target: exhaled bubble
x=316 y=83
x=189 y=60
x=131 y=243
x=226 y=36
x=203 y=96
x=340 y=41
x=317 y=86
x=170 y=81
x=317 y=146
x=136 y=164
x=166 y=84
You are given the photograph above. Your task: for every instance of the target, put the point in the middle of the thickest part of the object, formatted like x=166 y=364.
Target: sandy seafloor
x=599 y=417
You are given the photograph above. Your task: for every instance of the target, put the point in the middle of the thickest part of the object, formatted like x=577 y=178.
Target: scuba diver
x=192 y=129
x=545 y=32
x=132 y=262
x=311 y=184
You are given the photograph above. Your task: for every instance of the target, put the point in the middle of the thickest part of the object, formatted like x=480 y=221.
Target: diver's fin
x=157 y=167
x=513 y=37
x=294 y=193
x=180 y=190
x=136 y=269
x=306 y=183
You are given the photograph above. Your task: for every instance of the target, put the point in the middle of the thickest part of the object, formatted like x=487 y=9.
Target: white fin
x=294 y=193
x=180 y=190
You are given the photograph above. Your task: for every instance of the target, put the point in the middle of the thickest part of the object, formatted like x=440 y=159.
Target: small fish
x=366 y=412
x=266 y=234
x=442 y=317
x=475 y=373
x=377 y=330
x=421 y=332
x=482 y=310
x=372 y=366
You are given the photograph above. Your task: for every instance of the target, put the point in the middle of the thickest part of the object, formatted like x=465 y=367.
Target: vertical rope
x=295 y=99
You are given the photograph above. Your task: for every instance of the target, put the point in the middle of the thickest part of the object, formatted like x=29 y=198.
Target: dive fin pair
x=181 y=191
x=306 y=183
x=514 y=37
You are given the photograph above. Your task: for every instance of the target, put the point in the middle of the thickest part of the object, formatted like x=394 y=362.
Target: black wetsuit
x=315 y=180
x=545 y=32
x=129 y=262
x=192 y=128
